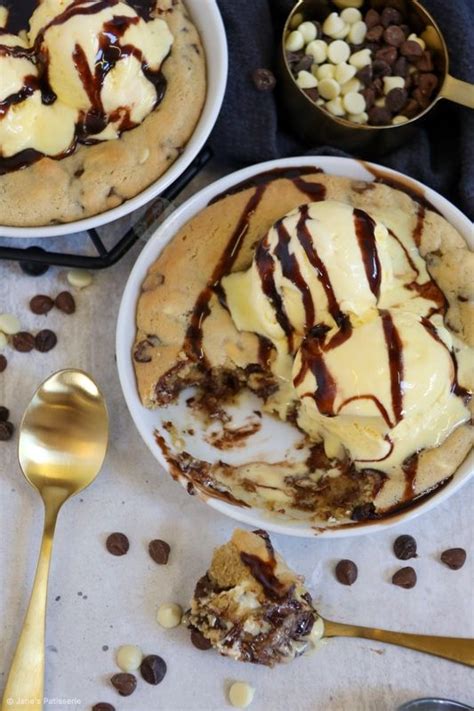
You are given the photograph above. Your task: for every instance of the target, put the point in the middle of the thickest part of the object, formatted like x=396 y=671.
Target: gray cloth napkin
x=251 y=125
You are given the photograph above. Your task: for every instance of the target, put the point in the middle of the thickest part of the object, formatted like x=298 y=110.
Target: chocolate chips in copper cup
x=404 y=43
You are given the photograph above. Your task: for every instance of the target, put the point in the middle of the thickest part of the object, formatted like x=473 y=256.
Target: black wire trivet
x=36 y=260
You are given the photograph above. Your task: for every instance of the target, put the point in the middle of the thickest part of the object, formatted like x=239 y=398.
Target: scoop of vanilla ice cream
x=98 y=58
x=25 y=122
x=383 y=393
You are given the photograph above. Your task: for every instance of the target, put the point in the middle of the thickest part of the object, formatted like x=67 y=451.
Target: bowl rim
x=125 y=335
x=216 y=62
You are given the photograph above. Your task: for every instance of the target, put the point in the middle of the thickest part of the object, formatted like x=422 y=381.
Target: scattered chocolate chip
x=390 y=16
x=65 y=302
x=124 y=683
x=159 y=550
x=3 y=363
x=153 y=669
x=374 y=34
x=34 y=268
x=199 y=641
x=454 y=558
x=102 y=706
x=264 y=79
x=4 y=413
x=379 y=116
x=45 y=340
x=396 y=100
x=372 y=18
x=346 y=572
x=394 y=36
x=387 y=54
x=6 y=431
x=411 y=50
x=41 y=304
x=117 y=544
x=23 y=342
x=404 y=547
x=405 y=578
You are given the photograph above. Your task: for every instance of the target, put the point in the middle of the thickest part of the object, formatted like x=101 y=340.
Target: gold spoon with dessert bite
x=62 y=445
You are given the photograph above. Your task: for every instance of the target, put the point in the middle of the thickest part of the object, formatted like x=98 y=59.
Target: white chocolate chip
x=342 y=33
x=169 y=615
x=344 y=73
x=79 y=278
x=294 y=41
x=397 y=120
x=354 y=103
x=3 y=16
x=390 y=83
x=129 y=657
x=351 y=15
x=318 y=49
x=9 y=324
x=348 y=3
x=317 y=631
x=320 y=102
x=325 y=71
x=241 y=694
x=358 y=118
x=329 y=88
x=296 y=20
x=3 y=341
x=144 y=155
x=352 y=85
x=308 y=30
x=357 y=32
x=335 y=107
x=338 y=51
x=306 y=80
x=414 y=38
x=333 y=24
x=361 y=58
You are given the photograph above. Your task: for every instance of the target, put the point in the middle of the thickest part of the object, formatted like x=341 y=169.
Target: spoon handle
x=457 y=649
x=25 y=683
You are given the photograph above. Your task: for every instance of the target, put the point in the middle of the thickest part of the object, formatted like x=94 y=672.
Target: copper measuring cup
x=316 y=125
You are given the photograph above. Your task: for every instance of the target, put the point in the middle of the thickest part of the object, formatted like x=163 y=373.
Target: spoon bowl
x=62 y=446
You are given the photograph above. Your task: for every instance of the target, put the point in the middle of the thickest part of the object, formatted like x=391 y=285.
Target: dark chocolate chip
x=304 y=64
x=405 y=578
x=159 y=550
x=390 y=16
x=153 y=669
x=406 y=30
x=372 y=18
x=124 y=683
x=425 y=63
x=65 y=302
x=364 y=512
x=369 y=95
x=102 y=706
x=264 y=79
x=394 y=36
x=203 y=587
x=312 y=93
x=34 y=268
x=4 y=413
x=422 y=99
x=379 y=116
x=117 y=544
x=396 y=100
x=374 y=34
x=346 y=572
x=411 y=50
x=365 y=74
x=41 y=304
x=427 y=83
x=45 y=340
x=293 y=57
x=411 y=108
x=381 y=68
x=23 y=342
x=6 y=431
x=400 y=68
x=3 y=363
x=454 y=558
x=404 y=547
x=142 y=352
x=199 y=641
x=387 y=54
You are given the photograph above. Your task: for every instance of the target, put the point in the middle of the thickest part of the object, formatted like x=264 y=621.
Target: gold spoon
x=63 y=440
x=457 y=649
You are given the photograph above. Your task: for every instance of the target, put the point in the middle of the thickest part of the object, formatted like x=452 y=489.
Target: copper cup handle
x=461 y=92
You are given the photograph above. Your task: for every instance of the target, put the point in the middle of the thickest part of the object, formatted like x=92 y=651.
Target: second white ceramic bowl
x=148 y=421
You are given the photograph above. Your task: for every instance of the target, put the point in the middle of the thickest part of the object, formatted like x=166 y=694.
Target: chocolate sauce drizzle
x=456 y=388
x=110 y=52
x=420 y=223
x=291 y=271
x=365 y=232
x=410 y=467
x=395 y=359
x=264 y=572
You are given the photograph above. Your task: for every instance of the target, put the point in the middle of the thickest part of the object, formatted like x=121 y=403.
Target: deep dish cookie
x=103 y=163
x=411 y=292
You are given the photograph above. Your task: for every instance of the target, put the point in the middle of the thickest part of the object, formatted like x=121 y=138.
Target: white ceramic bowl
x=147 y=421
x=207 y=18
